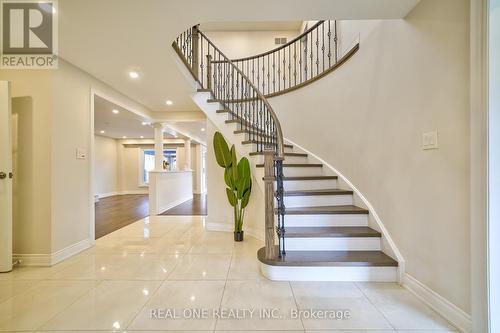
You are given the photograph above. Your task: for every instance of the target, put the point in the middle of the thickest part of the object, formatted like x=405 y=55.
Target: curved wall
x=367 y=119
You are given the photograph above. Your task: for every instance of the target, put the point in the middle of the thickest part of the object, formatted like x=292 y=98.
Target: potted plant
x=238 y=179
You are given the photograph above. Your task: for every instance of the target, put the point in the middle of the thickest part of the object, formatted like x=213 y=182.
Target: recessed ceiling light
x=133 y=75
x=203 y=130
x=115 y=111
x=124 y=137
x=144 y=123
x=142 y=136
x=169 y=102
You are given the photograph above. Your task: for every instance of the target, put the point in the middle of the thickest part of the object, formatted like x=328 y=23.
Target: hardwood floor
x=113 y=213
x=197 y=206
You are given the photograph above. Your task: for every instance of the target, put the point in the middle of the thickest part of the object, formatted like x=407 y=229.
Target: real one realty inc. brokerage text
x=249 y=313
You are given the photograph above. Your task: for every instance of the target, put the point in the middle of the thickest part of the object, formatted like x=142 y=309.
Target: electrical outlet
x=430 y=140
x=81 y=153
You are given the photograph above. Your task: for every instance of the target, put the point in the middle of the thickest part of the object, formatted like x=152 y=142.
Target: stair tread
x=256 y=142
x=309 y=178
x=318 y=232
x=254 y=153
x=297 y=165
x=204 y=90
x=316 y=192
x=330 y=258
x=324 y=210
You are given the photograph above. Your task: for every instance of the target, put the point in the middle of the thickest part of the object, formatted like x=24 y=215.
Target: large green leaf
x=231 y=197
x=242 y=185
x=244 y=168
x=246 y=198
x=228 y=178
x=222 y=153
x=234 y=164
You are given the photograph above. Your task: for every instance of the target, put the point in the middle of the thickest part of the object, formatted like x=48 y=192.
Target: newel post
x=271 y=251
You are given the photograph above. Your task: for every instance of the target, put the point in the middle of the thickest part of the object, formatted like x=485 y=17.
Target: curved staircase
x=321 y=234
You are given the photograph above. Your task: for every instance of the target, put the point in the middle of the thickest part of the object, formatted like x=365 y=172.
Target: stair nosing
x=383 y=259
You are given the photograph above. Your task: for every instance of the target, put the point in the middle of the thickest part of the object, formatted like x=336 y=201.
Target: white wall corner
x=459 y=318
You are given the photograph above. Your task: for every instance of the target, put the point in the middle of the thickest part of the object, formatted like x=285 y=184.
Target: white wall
x=220 y=212
x=105 y=166
x=239 y=44
x=409 y=77
x=494 y=166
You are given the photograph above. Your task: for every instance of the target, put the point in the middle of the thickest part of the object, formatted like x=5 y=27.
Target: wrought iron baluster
x=336 y=42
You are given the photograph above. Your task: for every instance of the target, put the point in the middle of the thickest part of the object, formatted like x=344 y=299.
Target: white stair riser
x=288 y=159
x=333 y=244
x=309 y=184
x=338 y=220
x=327 y=273
x=318 y=200
x=302 y=171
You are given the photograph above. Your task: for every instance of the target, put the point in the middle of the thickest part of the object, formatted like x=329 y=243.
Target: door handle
x=3 y=175
x=11 y=175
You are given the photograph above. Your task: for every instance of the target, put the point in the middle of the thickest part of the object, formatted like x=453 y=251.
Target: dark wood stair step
x=330 y=259
x=248 y=142
x=257 y=153
x=302 y=193
x=297 y=165
x=326 y=210
x=318 y=232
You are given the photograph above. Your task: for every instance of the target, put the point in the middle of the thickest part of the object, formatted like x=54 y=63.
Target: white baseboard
x=110 y=194
x=32 y=259
x=53 y=258
x=438 y=303
x=145 y=191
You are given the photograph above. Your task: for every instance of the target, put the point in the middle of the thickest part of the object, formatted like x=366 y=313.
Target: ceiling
x=118 y=125
x=252 y=26
x=193 y=129
x=129 y=125
x=110 y=38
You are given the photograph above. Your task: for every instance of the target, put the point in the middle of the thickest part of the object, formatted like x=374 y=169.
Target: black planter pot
x=238 y=236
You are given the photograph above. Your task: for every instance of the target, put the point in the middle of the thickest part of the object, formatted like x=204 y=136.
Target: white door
x=5 y=179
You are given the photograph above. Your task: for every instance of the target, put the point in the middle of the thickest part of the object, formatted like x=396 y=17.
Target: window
x=147 y=163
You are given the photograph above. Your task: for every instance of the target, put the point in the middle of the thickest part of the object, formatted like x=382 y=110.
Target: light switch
x=81 y=153
x=430 y=140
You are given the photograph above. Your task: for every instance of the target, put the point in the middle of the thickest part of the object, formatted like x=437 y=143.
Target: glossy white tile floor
x=171 y=262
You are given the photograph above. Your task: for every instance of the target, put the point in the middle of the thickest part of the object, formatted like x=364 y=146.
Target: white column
x=158 y=146
x=187 y=154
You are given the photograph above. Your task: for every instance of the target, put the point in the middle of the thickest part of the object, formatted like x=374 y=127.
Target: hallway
x=115 y=212
x=173 y=263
